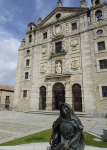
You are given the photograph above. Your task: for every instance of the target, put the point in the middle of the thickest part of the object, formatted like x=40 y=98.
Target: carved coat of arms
x=75 y=64
x=74 y=42
x=57 y=30
x=43 y=69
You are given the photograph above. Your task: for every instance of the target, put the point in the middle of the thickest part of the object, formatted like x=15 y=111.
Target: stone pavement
x=18 y=124
x=41 y=146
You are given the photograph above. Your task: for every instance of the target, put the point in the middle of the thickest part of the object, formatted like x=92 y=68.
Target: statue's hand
x=66 y=147
x=51 y=142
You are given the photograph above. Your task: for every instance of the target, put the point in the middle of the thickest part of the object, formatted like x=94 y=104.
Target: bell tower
x=96 y=2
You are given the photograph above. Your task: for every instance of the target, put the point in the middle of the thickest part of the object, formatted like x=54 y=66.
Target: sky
x=15 y=15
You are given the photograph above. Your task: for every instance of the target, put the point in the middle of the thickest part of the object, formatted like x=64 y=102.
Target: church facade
x=64 y=60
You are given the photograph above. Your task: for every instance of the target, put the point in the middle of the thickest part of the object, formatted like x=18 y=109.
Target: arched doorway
x=77 y=99
x=42 y=100
x=58 y=96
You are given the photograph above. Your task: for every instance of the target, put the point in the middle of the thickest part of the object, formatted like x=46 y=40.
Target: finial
x=59 y=3
x=83 y=3
x=39 y=20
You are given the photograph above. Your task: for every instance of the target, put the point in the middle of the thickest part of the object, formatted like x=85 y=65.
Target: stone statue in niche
x=75 y=64
x=74 y=42
x=67 y=131
x=43 y=69
x=58 y=67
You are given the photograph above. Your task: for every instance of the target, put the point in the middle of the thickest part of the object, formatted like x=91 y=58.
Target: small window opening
x=103 y=64
x=74 y=26
x=58 y=15
x=26 y=75
x=7 y=99
x=99 y=15
x=24 y=93
x=27 y=62
x=97 y=2
x=58 y=47
x=45 y=35
x=30 y=38
x=30 y=28
x=101 y=46
x=104 y=91
x=28 y=51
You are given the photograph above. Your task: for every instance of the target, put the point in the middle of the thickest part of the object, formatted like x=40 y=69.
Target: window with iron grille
x=45 y=35
x=27 y=62
x=101 y=46
x=103 y=64
x=26 y=75
x=104 y=91
x=7 y=99
x=24 y=93
x=74 y=26
x=58 y=47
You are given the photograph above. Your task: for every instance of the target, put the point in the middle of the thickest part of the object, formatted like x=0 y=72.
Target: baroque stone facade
x=64 y=59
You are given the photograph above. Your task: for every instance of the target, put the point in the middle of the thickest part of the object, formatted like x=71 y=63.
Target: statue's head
x=65 y=110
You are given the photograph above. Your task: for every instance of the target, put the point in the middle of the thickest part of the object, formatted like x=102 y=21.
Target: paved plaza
x=18 y=124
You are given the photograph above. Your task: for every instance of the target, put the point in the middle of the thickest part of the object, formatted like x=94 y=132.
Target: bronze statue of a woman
x=67 y=131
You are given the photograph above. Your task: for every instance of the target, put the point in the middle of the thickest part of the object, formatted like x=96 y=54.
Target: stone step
x=46 y=112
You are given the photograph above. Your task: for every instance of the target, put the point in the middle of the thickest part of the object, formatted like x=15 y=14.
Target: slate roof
x=7 y=88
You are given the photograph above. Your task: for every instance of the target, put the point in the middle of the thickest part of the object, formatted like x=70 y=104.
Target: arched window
x=98 y=15
x=30 y=38
x=97 y=2
x=30 y=28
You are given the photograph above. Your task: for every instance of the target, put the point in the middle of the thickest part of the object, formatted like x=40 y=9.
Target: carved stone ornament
x=58 y=68
x=75 y=64
x=44 y=49
x=43 y=69
x=57 y=30
x=74 y=42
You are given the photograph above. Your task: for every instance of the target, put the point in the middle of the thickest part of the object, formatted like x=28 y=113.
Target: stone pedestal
x=105 y=134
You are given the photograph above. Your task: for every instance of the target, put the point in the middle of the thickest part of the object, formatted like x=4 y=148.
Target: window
x=26 y=75
x=104 y=91
x=28 y=51
x=99 y=15
x=99 y=32
x=45 y=35
x=30 y=28
x=27 y=62
x=7 y=99
x=58 y=15
x=74 y=26
x=101 y=46
x=30 y=38
x=24 y=93
x=103 y=64
x=97 y=2
x=58 y=47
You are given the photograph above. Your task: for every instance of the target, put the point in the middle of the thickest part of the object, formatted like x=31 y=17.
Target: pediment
x=65 y=12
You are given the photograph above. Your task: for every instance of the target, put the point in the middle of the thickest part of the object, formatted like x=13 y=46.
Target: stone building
x=6 y=96
x=64 y=59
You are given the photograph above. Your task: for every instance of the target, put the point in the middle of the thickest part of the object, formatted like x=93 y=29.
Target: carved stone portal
x=58 y=67
x=74 y=42
x=43 y=69
x=44 y=49
x=75 y=64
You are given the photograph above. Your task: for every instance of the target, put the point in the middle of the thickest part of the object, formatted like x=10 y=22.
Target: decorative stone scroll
x=74 y=42
x=43 y=69
x=44 y=49
x=58 y=68
x=75 y=64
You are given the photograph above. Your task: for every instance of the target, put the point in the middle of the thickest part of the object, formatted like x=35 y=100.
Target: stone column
x=49 y=97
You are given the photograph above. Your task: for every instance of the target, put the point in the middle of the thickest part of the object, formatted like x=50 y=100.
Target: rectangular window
x=104 y=91
x=74 y=26
x=7 y=99
x=101 y=46
x=103 y=64
x=24 y=93
x=26 y=75
x=58 y=47
x=27 y=62
x=45 y=35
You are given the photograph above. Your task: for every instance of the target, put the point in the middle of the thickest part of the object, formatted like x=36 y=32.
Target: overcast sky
x=15 y=15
